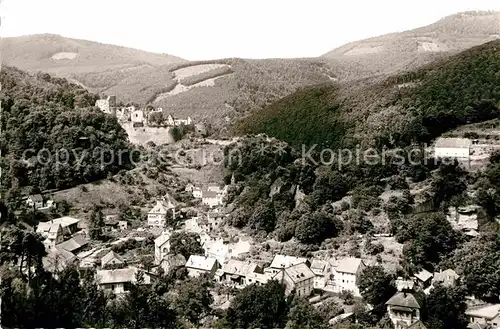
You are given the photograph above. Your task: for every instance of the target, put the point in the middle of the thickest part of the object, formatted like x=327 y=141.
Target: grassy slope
x=448 y=89
x=405 y=50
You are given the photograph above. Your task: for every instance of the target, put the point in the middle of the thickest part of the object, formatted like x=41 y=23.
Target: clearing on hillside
x=197 y=69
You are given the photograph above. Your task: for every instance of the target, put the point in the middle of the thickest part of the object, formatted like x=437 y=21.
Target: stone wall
x=142 y=135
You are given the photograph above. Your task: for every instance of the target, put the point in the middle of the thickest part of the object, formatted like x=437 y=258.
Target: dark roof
x=74 y=243
x=36 y=197
x=407 y=299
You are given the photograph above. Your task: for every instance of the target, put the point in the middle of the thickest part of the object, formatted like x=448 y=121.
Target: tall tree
x=186 y=244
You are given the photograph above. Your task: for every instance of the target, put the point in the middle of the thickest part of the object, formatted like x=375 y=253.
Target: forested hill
x=41 y=116
x=412 y=106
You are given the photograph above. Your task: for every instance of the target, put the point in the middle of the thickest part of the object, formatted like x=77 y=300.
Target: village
x=233 y=259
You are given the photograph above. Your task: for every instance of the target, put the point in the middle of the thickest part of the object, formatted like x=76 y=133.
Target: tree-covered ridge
x=414 y=106
x=50 y=114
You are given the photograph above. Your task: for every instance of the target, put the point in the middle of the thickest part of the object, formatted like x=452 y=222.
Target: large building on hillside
x=452 y=148
x=107 y=105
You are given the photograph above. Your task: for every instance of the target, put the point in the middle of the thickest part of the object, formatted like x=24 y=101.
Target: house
x=74 y=245
x=452 y=148
x=346 y=275
x=122 y=225
x=52 y=232
x=106 y=105
x=162 y=246
x=36 y=201
x=281 y=262
x=137 y=118
x=158 y=215
x=423 y=278
x=404 y=308
x=257 y=278
x=235 y=272
x=170 y=120
x=321 y=270
x=203 y=224
x=215 y=219
x=110 y=223
x=58 y=259
x=484 y=315
x=214 y=188
x=178 y=122
x=197 y=193
x=69 y=225
x=111 y=258
x=298 y=278
x=189 y=188
x=120 y=280
x=199 y=265
x=447 y=278
x=211 y=198
x=172 y=261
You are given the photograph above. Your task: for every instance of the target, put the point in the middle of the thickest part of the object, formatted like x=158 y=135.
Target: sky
x=210 y=29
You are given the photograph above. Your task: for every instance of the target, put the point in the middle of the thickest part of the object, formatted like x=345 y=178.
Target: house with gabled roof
x=346 y=275
x=75 y=244
x=486 y=316
x=281 y=262
x=211 y=198
x=111 y=258
x=423 y=278
x=162 y=246
x=171 y=262
x=158 y=214
x=404 y=308
x=235 y=272
x=447 y=278
x=120 y=280
x=199 y=265
x=58 y=259
x=322 y=271
x=298 y=278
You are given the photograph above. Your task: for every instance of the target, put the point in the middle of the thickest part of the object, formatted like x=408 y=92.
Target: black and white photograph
x=234 y=164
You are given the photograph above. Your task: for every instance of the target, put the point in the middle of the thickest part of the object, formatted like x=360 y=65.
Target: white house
x=199 y=265
x=346 y=275
x=197 y=193
x=211 y=199
x=106 y=105
x=404 y=309
x=137 y=118
x=52 y=232
x=322 y=271
x=158 y=215
x=298 y=278
x=452 y=148
x=119 y=280
x=484 y=316
x=235 y=272
x=281 y=262
x=162 y=246
x=38 y=202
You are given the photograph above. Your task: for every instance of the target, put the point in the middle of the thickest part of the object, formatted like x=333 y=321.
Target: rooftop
x=423 y=275
x=238 y=267
x=443 y=275
x=453 y=142
x=299 y=272
x=484 y=311
x=160 y=240
x=117 y=276
x=74 y=243
x=57 y=259
x=412 y=300
x=201 y=262
x=109 y=256
x=283 y=261
x=319 y=266
x=348 y=265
